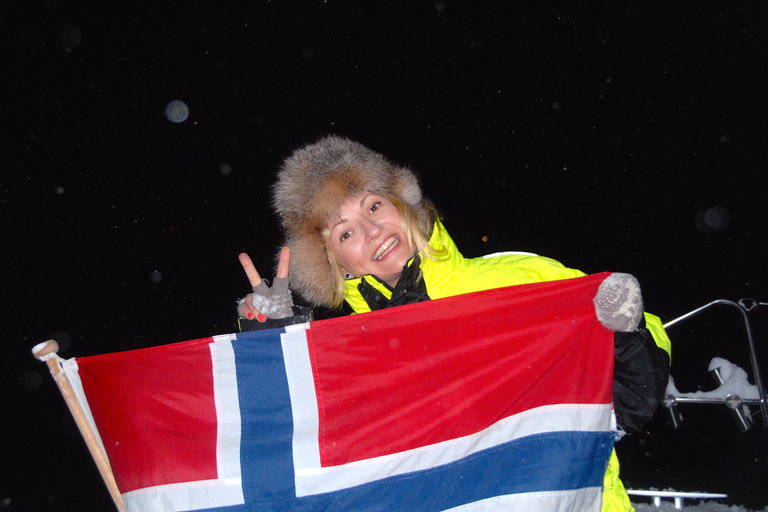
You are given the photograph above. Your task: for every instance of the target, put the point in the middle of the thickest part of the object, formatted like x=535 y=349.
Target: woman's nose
x=372 y=230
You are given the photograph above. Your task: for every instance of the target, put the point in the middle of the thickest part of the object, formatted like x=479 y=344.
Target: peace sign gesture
x=267 y=302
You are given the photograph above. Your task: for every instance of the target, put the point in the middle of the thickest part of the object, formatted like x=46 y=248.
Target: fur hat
x=311 y=186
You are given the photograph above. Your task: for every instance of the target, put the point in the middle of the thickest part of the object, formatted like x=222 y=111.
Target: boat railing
x=740 y=407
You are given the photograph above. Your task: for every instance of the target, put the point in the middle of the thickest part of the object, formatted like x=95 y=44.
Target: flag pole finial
x=44 y=350
x=47 y=352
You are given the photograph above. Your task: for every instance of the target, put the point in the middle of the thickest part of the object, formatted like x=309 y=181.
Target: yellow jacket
x=450 y=273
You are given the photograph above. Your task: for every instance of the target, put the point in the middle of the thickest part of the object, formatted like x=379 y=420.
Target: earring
x=347 y=276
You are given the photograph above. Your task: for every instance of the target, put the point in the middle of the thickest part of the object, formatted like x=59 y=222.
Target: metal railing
x=678 y=497
x=734 y=403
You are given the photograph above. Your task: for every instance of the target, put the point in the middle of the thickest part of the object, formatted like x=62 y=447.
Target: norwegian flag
x=493 y=400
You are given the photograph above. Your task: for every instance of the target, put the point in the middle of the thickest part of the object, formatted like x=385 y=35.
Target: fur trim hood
x=312 y=184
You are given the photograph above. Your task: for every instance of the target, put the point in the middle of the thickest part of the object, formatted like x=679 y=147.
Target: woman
x=360 y=231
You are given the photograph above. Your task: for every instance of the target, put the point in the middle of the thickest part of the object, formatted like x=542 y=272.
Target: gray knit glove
x=619 y=304
x=275 y=301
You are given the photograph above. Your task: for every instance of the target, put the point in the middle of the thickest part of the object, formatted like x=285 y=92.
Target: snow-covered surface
x=735 y=382
x=668 y=506
x=709 y=503
x=706 y=502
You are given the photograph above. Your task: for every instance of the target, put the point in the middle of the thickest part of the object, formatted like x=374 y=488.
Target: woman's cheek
x=350 y=256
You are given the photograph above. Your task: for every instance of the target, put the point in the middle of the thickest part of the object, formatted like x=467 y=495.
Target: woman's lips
x=385 y=248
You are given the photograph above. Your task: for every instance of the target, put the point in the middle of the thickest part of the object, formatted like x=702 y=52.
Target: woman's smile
x=388 y=246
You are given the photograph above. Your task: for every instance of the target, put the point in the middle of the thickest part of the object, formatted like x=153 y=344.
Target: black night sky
x=610 y=136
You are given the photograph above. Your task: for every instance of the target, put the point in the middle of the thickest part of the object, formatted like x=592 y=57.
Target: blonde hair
x=417 y=230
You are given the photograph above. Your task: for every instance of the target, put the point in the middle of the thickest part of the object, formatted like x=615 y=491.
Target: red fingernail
x=250 y=316
x=261 y=318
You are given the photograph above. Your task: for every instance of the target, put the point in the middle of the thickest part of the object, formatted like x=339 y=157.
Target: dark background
x=610 y=136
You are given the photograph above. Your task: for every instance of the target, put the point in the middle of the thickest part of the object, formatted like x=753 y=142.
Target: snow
x=696 y=501
x=37 y=348
x=735 y=382
x=667 y=506
x=177 y=111
x=716 y=218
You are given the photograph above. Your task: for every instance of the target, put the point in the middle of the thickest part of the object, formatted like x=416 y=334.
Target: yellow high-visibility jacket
x=450 y=273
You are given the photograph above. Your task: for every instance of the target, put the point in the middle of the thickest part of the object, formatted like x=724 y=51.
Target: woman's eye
x=375 y=206
x=345 y=235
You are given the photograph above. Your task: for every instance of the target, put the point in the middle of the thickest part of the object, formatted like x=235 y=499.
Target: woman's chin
x=391 y=273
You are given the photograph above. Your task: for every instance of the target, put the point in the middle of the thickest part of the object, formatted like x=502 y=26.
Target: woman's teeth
x=386 y=247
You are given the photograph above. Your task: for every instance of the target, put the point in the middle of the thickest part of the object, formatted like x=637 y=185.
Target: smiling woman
x=358 y=230
x=347 y=212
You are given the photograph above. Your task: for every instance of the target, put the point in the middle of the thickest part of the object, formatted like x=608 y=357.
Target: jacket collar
x=432 y=270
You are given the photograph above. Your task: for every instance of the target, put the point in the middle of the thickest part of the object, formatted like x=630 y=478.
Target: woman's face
x=367 y=238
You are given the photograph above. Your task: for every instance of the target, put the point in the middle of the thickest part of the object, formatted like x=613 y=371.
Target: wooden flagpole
x=46 y=351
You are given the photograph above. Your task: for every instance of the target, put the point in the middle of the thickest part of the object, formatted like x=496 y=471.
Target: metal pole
x=752 y=350
x=47 y=352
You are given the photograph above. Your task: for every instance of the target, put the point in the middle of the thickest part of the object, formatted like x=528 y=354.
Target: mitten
x=275 y=301
x=619 y=304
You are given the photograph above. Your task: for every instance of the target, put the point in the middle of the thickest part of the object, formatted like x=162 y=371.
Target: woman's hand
x=619 y=303
x=267 y=302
